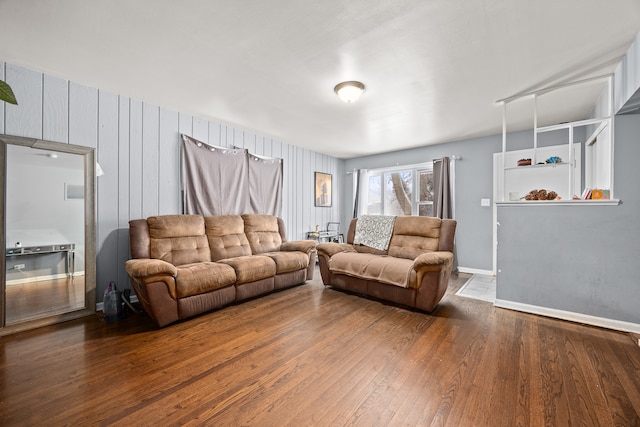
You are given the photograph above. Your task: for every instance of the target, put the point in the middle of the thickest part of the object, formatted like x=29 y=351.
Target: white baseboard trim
x=475 y=271
x=602 y=322
x=100 y=305
x=41 y=278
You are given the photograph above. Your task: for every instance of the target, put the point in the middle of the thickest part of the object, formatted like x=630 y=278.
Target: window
x=425 y=202
x=404 y=191
x=374 y=205
x=397 y=193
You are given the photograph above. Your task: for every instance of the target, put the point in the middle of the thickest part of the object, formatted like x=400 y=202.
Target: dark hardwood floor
x=310 y=356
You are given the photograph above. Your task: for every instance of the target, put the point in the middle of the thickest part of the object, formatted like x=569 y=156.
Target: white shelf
x=545 y=165
x=603 y=202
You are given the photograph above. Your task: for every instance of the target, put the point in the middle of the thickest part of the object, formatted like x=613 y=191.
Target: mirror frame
x=89 y=231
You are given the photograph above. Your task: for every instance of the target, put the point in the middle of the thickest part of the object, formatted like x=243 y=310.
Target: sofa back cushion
x=263 y=233
x=447 y=234
x=414 y=235
x=178 y=239
x=226 y=237
x=139 y=238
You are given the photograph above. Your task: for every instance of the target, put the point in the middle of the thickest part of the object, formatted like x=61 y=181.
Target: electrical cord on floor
x=126 y=297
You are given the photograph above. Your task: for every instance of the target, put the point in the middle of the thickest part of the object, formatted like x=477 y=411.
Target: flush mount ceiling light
x=349 y=91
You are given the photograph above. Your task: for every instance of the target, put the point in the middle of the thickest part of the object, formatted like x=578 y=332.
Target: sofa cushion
x=414 y=235
x=198 y=278
x=380 y=268
x=329 y=249
x=289 y=261
x=367 y=250
x=226 y=237
x=178 y=239
x=251 y=268
x=263 y=233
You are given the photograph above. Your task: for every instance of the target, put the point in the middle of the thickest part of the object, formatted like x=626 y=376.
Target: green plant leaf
x=6 y=94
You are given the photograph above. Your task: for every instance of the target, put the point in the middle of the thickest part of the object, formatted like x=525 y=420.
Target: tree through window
x=401 y=192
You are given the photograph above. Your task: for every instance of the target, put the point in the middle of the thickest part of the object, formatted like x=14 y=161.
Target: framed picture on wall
x=323 y=189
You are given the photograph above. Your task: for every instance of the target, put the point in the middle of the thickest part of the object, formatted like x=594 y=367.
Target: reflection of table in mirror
x=68 y=249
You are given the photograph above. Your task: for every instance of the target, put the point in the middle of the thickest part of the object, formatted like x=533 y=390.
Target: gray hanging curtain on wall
x=442 y=188
x=361 y=201
x=356 y=196
x=265 y=185
x=442 y=196
x=215 y=179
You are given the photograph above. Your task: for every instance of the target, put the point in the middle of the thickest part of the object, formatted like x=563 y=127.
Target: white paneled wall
x=138 y=149
x=627 y=75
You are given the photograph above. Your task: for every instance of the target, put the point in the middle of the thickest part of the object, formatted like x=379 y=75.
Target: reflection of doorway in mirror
x=44 y=232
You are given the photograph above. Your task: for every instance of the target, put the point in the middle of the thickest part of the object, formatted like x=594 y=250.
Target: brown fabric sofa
x=414 y=271
x=184 y=265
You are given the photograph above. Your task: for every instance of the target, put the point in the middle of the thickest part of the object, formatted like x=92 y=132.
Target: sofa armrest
x=148 y=271
x=330 y=249
x=141 y=268
x=306 y=246
x=432 y=261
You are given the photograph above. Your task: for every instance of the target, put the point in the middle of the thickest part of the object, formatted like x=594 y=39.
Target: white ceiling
x=433 y=68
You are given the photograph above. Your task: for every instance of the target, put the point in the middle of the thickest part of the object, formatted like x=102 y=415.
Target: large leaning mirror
x=48 y=217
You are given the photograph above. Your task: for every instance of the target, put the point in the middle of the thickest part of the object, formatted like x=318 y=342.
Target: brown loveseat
x=184 y=265
x=413 y=271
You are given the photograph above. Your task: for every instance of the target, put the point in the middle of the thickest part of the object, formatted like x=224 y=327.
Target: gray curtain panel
x=361 y=197
x=229 y=181
x=442 y=197
x=215 y=179
x=356 y=198
x=442 y=188
x=265 y=185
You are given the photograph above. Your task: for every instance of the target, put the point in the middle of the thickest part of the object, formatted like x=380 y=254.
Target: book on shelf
x=600 y=194
x=595 y=194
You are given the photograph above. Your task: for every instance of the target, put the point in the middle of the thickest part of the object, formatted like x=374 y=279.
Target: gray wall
x=578 y=258
x=473 y=181
x=138 y=149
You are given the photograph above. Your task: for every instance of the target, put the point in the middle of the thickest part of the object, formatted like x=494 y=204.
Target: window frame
x=415 y=170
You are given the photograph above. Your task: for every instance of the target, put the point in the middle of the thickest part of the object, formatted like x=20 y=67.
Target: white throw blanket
x=374 y=231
